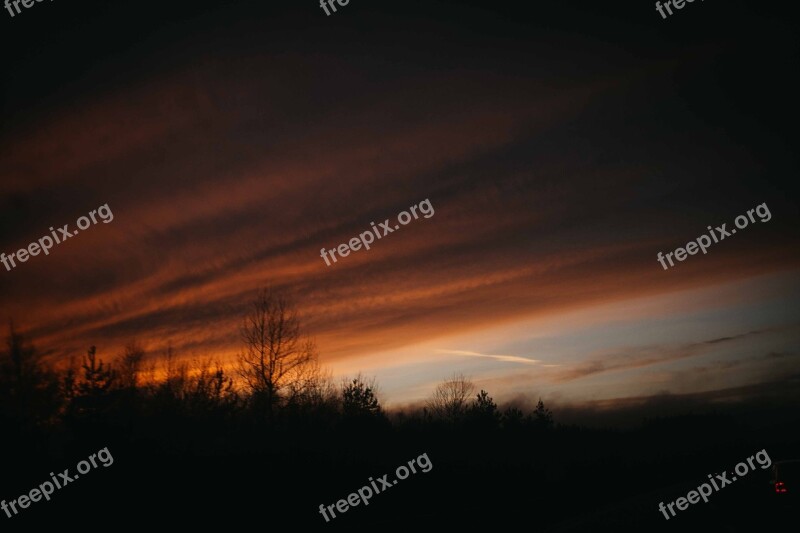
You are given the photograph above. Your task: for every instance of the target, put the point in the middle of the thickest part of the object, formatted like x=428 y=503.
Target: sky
x=561 y=150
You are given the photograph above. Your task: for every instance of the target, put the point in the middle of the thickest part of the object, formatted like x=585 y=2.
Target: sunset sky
x=560 y=154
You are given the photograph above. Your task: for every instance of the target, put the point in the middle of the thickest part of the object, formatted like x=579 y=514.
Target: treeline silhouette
x=278 y=385
x=173 y=401
x=277 y=431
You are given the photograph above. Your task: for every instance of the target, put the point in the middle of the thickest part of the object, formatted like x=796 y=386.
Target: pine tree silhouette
x=93 y=389
x=542 y=416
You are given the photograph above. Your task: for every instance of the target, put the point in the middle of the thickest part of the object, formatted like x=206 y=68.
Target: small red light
x=780 y=487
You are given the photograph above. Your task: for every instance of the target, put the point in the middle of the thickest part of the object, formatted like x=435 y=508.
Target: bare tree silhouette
x=311 y=387
x=276 y=356
x=208 y=387
x=449 y=400
x=176 y=375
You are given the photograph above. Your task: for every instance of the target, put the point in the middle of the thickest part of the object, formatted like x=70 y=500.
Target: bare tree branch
x=449 y=400
x=276 y=357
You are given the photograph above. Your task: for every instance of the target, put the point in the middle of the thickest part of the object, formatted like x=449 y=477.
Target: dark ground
x=564 y=479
